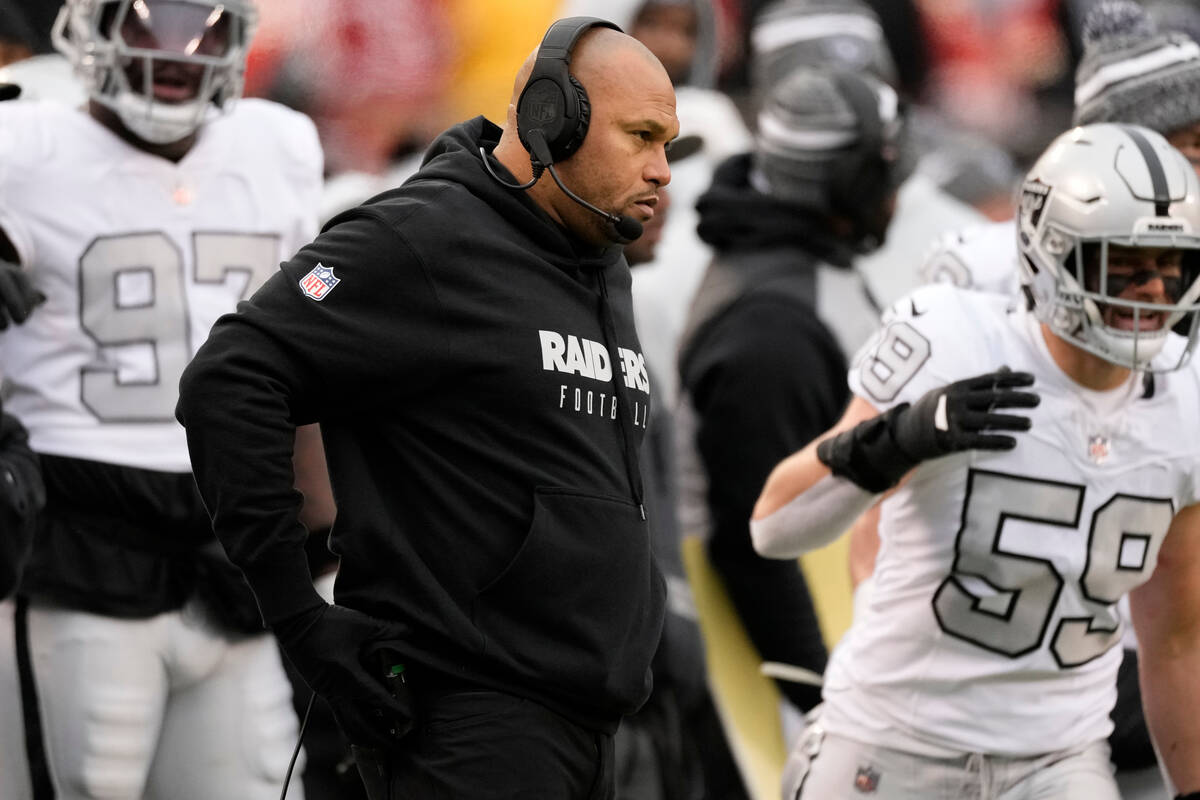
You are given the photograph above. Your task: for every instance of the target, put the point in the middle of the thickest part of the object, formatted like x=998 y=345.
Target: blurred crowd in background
x=381 y=77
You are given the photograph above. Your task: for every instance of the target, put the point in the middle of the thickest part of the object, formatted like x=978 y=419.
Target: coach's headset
x=862 y=178
x=553 y=112
x=553 y=107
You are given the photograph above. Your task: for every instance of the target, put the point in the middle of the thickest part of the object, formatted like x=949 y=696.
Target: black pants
x=484 y=745
x=1130 y=740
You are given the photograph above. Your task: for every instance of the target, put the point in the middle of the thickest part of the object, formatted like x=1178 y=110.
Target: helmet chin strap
x=159 y=123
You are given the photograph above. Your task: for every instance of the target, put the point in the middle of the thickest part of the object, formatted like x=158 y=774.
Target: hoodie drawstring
x=623 y=402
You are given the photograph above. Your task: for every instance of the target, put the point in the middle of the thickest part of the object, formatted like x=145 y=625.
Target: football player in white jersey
x=139 y=220
x=985 y=659
x=1131 y=72
x=982 y=257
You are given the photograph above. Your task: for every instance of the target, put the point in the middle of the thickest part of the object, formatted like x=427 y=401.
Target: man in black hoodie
x=469 y=351
x=764 y=352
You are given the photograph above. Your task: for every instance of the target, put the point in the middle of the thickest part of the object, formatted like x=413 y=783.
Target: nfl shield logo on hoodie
x=318 y=282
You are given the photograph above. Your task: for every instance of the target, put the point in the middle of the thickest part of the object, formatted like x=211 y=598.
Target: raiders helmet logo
x=1033 y=201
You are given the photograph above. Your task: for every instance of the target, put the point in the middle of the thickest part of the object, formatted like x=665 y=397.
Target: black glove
x=22 y=496
x=332 y=648
x=877 y=453
x=1188 y=796
x=18 y=297
x=22 y=493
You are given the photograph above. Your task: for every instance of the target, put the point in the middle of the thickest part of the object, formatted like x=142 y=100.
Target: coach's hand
x=328 y=646
x=18 y=297
x=877 y=453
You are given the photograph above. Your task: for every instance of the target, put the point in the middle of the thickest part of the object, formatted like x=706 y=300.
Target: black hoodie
x=482 y=395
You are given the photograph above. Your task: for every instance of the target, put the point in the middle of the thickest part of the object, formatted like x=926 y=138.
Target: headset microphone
x=553 y=113
x=624 y=227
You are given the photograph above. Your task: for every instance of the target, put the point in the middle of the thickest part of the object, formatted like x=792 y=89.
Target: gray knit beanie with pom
x=806 y=128
x=829 y=34
x=1132 y=73
x=1182 y=16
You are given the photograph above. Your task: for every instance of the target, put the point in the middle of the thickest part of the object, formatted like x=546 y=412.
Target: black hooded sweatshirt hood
x=734 y=216
x=482 y=395
x=455 y=157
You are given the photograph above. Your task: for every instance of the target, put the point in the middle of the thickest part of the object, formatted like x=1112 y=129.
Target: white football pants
x=153 y=709
x=823 y=766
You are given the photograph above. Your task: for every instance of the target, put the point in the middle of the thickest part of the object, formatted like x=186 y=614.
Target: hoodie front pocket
x=580 y=606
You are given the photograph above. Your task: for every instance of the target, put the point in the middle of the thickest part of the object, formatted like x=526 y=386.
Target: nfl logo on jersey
x=866 y=780
x=318 y=282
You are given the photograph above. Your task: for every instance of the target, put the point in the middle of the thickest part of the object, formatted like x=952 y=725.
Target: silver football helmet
x=161 y=65
x=1099 y=186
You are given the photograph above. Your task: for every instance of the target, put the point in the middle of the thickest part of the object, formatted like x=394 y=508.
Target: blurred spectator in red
x=372 y=74
x=487 y=44
x=989 y=60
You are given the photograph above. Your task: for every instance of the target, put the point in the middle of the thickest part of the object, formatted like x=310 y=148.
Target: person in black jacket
x=469 y=351
x=778 y=312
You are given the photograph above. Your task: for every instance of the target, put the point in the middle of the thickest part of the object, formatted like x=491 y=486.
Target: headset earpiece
x=864 y=177
x=861 y=176
x=553 y=101
x=553 y=112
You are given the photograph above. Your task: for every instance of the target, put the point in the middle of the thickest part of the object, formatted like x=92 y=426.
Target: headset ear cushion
x=863 y=177
x=577 y=135
x=846 y=182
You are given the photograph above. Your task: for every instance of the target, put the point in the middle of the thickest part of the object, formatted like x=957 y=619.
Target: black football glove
x=331 y=647
x=877 y=453
x=18 y=297
x=22 y=496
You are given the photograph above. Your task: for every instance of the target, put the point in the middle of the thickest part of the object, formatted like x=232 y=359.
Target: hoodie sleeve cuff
x=283 y=586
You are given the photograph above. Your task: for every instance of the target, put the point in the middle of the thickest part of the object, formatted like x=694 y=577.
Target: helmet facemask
x=1109 y=266
x=163 y=66
x=1128 y=327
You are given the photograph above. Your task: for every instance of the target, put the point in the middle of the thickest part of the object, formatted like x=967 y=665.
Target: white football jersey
x=993 y=623
x=137 y=257
x=981 y=257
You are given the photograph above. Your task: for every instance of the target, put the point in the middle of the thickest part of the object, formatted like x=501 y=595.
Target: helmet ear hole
x=862 y=178
x=1189 y=267
x=108 y=19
